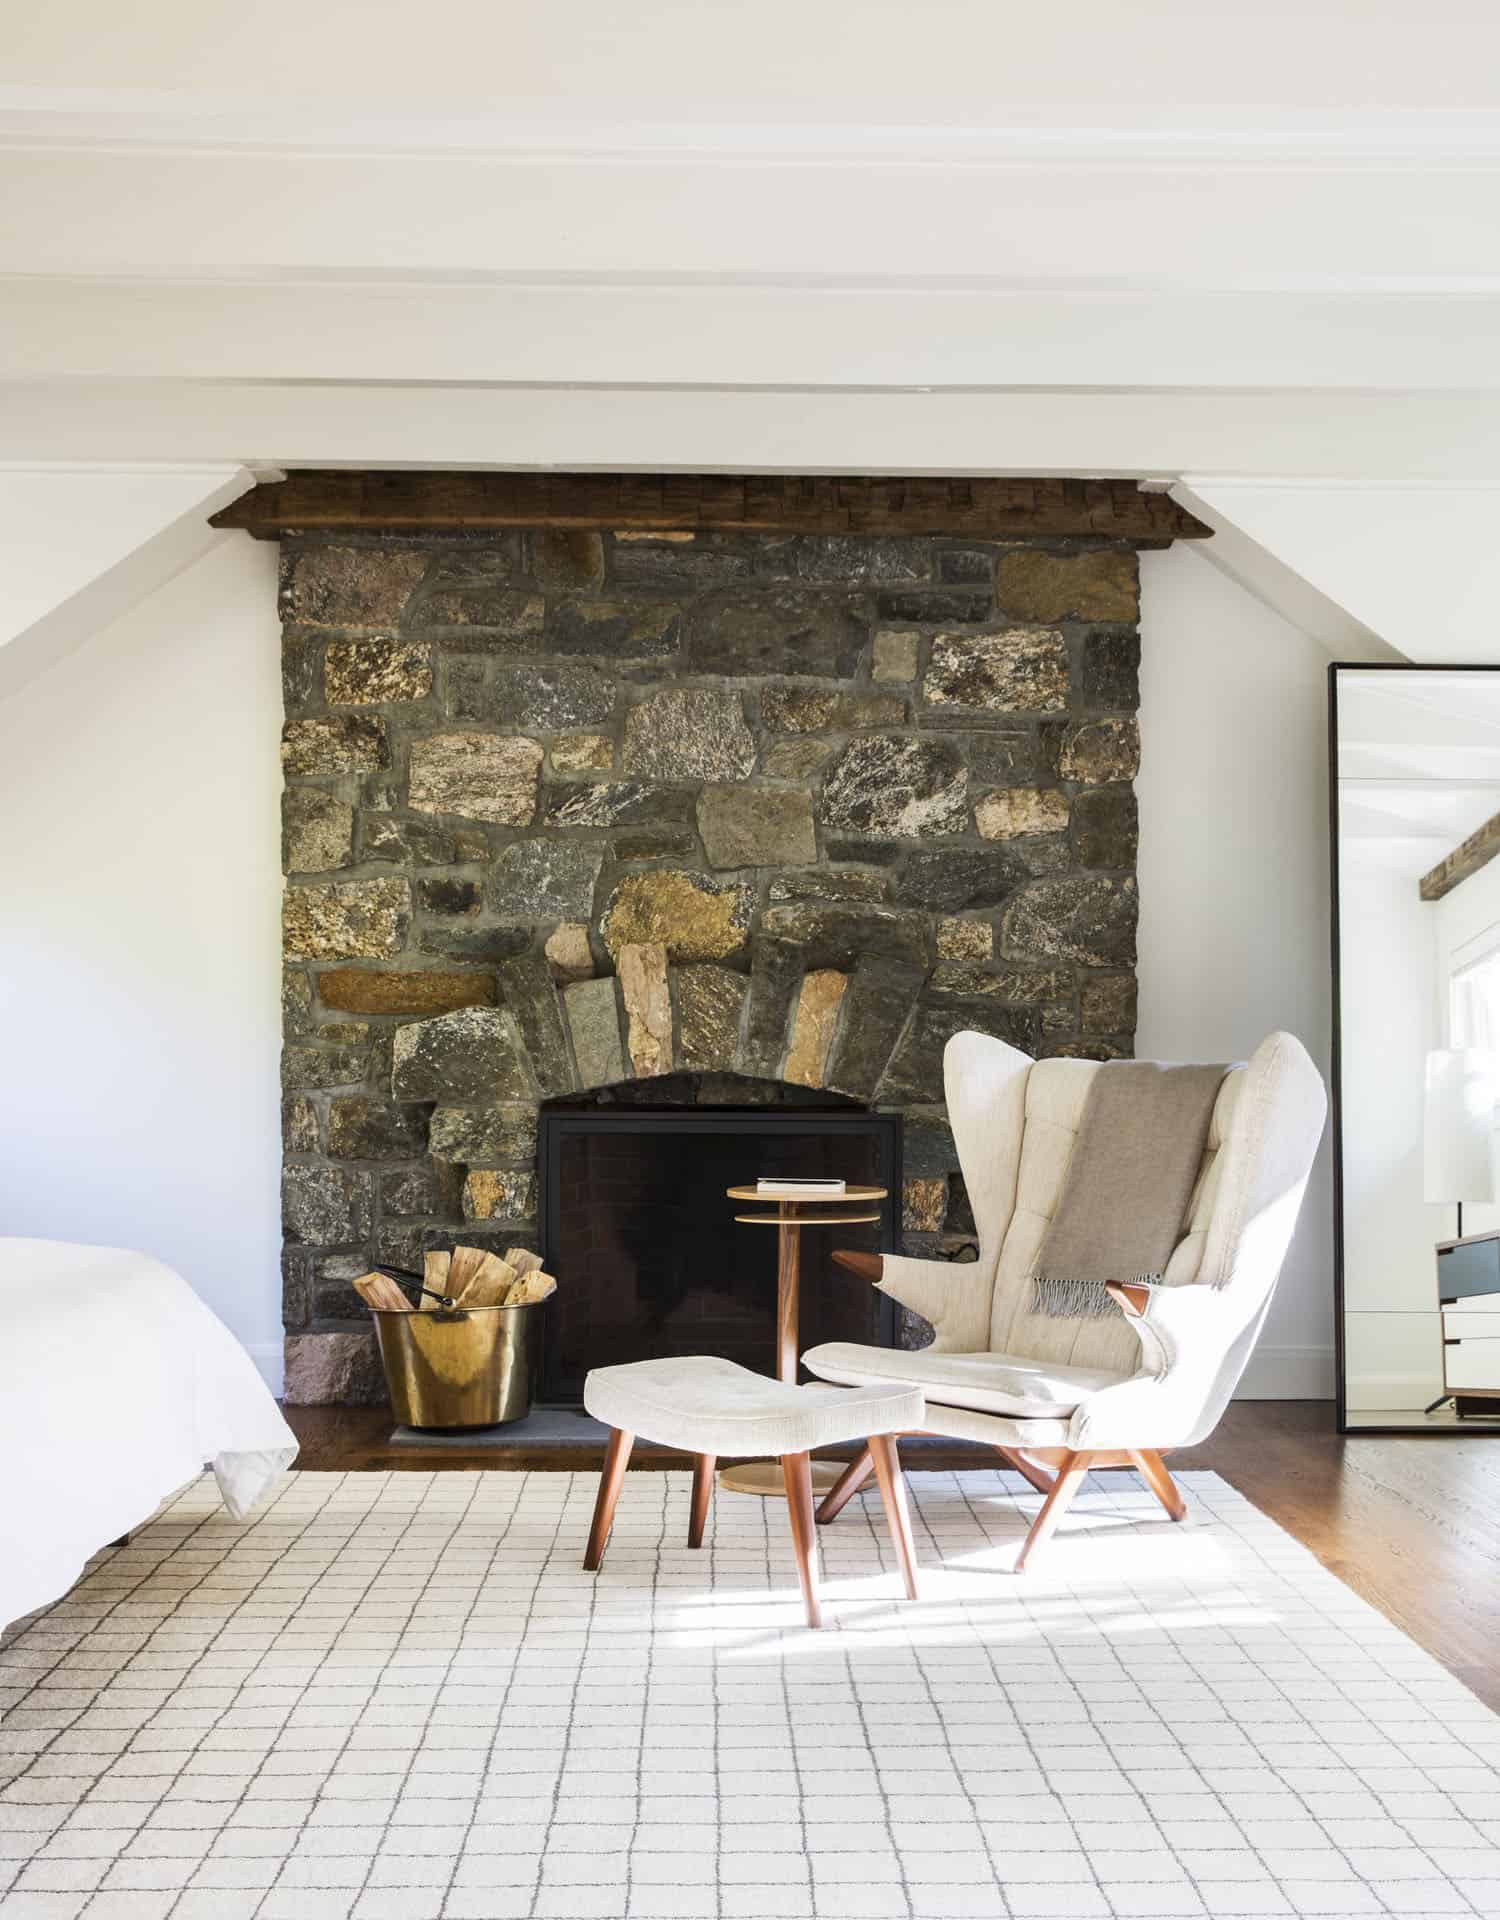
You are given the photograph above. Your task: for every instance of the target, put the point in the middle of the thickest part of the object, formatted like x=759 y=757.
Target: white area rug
x=398 y=1697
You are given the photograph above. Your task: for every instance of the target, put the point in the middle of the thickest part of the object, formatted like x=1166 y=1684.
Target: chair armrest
x=954 y=1296
x=1187 y=1336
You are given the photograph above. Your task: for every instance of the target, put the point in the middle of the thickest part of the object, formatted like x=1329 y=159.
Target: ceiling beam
x=427 y=502
x=1465 y=860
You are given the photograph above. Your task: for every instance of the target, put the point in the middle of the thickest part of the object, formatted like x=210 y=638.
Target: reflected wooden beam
x=1466 y=859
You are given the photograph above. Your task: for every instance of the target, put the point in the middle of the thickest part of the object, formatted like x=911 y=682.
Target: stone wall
x=568 y=809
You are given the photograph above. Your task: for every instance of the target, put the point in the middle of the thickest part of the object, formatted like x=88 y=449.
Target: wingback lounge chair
x=1059 y=1396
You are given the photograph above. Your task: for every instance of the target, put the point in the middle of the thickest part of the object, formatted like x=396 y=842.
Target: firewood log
x=465 y=1263
x=434 y=1278
x=522 y=1259
x=379 y=1290
x=530 y=1288
x=492 y=1282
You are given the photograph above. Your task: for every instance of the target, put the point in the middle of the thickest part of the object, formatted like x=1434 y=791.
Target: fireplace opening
x=637 y=1226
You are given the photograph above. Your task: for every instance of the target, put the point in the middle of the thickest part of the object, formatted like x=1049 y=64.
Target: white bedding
x=117 y=1384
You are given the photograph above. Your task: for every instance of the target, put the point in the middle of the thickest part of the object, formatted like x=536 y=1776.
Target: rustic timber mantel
x=316 y=501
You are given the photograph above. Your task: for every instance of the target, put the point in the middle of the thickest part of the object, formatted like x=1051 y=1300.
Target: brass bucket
x=461 y=1367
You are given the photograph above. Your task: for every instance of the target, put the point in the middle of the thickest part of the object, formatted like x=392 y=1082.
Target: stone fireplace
x=697 y=816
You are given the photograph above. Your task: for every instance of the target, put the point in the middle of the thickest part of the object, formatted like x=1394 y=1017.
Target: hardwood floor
x=1411 y=1522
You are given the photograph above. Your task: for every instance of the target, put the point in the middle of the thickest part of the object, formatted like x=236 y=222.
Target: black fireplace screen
x=649 y=1260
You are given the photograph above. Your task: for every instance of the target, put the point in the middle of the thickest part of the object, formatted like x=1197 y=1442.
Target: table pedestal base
x=764 y=1477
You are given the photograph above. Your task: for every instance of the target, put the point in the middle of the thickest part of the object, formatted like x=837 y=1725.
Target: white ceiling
x=1419 y=760
x=950 y=64
x=1237 y=245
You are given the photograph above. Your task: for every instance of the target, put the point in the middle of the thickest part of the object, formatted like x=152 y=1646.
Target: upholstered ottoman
x=712 y=1408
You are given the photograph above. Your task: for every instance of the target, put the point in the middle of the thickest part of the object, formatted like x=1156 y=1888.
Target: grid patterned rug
x=398 y=1697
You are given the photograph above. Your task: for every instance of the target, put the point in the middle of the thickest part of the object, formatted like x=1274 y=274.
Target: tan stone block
x=924 y=1204
x=367 y=673
x=648 y=1006
x=567 y=951
x=689 y=916
x=1034 y=585
x=583 y=753
x=356 y=990
x=339 y=743
x=813 y=1026
x=349 y=920
x=491 y=1194
x=482 y=776
x=1010 y=811
x=349 y=586
x=317 y=830
x=894 y=656
x=1014 y=670
x=1099 y=751
x=959 y=939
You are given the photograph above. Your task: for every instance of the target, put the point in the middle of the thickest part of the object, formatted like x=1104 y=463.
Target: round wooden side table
x=851 y=1208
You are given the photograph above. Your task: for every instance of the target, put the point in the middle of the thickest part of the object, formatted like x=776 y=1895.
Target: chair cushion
x=987 y=1382
x=706 y=1405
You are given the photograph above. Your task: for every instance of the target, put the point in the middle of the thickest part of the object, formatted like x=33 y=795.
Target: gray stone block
x=530 y=995
x=876 y=1004
x=593 y=1014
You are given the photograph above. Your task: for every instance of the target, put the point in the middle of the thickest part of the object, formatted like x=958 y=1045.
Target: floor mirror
x=1415 y=809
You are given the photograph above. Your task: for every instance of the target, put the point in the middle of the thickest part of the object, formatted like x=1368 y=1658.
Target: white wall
x=1234 y=880
x=139 y=944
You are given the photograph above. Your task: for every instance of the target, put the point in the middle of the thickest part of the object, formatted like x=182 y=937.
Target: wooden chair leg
x=845 y=1487
x=796 y=1471
x=1150 y=1467
x=898 y=1514
x=703 y=1484
x=1028 y=1470
x=1071 y=1474
x=616 y=1459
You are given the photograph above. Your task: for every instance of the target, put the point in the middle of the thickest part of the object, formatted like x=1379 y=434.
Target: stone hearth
x=566 y=810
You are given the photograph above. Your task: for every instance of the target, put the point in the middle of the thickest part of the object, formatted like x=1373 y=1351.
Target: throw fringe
x=1061 y=1299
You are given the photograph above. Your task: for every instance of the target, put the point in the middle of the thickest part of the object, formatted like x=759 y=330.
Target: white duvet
x=117 y=1385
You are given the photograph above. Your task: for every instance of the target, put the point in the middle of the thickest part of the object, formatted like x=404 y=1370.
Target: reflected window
x=1474 y=1002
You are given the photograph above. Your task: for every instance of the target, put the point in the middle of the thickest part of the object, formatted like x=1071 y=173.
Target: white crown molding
x=143 y=119
x=742 y=338
x=678 y=219
x=1418 y=440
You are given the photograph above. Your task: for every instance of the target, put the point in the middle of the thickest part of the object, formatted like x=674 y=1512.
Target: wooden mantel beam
x=316 y=501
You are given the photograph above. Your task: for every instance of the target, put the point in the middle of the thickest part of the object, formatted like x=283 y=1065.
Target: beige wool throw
x=1126 y=1193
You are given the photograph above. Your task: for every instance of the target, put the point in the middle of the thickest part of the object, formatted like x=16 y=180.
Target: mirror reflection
x=1417 y=860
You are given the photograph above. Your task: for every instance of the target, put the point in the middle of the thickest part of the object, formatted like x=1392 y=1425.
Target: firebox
x=650 y=1263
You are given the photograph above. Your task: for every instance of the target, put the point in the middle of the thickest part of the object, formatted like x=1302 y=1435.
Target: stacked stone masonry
x=565 y=810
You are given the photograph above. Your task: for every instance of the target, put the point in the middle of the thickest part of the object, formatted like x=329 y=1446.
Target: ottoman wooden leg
x=616 y=1459
x=703 y=1482
x=796 y=1471
x=898 y=1515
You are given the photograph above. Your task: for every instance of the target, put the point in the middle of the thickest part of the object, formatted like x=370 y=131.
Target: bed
x=117 y=1385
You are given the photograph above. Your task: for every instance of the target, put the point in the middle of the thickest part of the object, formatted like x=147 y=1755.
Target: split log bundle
x=468 y=1277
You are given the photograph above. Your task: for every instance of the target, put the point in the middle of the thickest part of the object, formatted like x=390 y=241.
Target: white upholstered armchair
x=1058 y=1395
